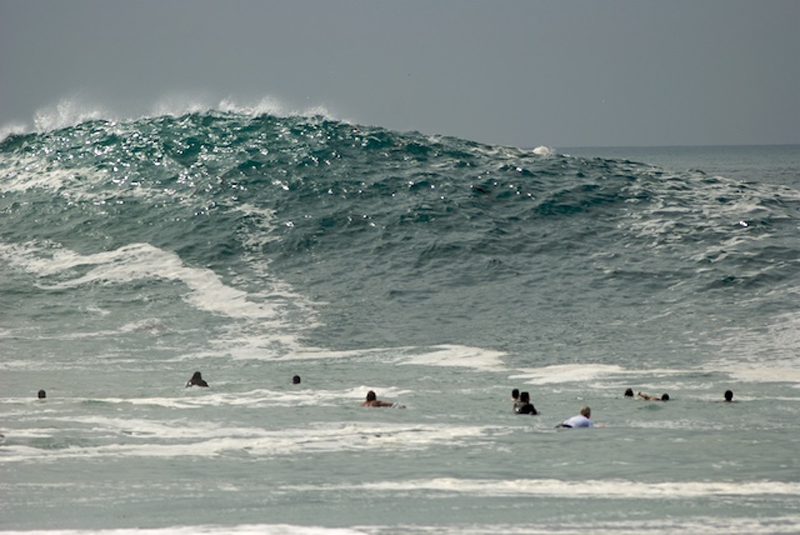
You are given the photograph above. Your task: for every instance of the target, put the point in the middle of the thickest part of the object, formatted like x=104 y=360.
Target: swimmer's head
x=296 y=380
x=586 y=411
x=197 y=376
x=515 y=393
x=728 y=395
x=665 y=397
x=42 y=394
x=371 y=396
x=525 y=397
x=629 y=393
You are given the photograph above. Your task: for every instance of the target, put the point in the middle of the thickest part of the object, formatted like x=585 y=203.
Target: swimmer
x=524 y=405
x=581 y=420
x=629 y=393
x=296 y=380
x=728 y=396
x=515 y=395
x=42 y=394
x=196 y=380
x=648 y=397
x=373 y=401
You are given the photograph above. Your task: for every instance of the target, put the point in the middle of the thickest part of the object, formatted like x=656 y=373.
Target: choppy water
x=438 y=272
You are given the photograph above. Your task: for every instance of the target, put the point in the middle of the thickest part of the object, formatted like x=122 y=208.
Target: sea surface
x=440 y=273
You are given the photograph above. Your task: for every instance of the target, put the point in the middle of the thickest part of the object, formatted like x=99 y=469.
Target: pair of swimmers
x=522 y=403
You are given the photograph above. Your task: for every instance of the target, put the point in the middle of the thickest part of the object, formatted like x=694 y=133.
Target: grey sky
x=525 y=73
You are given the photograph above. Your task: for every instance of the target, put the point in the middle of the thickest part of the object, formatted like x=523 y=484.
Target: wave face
x=325 y=234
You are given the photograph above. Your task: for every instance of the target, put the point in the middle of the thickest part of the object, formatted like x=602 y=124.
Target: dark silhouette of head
x=42 y=394
x=665 y=397
x=728 y=395
x=371 y=396
x=296 y=380
x=525 y=397
x=196 y=380
x=515 y=393
x=629 y=393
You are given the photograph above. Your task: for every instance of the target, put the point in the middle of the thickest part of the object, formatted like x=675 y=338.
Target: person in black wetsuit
x=524 y=405
x=196 y=380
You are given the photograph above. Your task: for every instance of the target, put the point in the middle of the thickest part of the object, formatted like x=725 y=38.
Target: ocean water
x=438 y=272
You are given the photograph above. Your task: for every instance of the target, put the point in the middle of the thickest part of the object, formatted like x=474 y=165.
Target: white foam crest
x=272 y=106
x=68 y=112
x=267 y=105
x=543 y=151
x=13 y=128
x=594 y=489
x=182 y=104
x=75 y=109
x=142 y=261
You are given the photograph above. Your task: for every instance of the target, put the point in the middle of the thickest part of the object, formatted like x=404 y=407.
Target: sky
x=525 y=73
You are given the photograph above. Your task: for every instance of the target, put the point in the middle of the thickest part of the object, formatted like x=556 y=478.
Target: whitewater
x=438 y=272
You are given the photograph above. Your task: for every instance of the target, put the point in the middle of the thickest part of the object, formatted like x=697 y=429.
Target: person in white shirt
x=581 y=420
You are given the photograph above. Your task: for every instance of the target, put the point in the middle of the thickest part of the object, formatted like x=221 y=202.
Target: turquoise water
x=440 y=273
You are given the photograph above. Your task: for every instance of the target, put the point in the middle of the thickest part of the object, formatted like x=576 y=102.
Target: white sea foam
x=76 y=109
x=180 y=438
x=141 y=261
x=272 y=106
x=10 y=129
x=575 y=373
x=50 y=179
x=68 y=112
x=594 y=489
x=787 y=524
x=459 y=356
x=567 y=526
x=246 y=529
x=764 y=373
x=448 y=356
x=260 y=398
